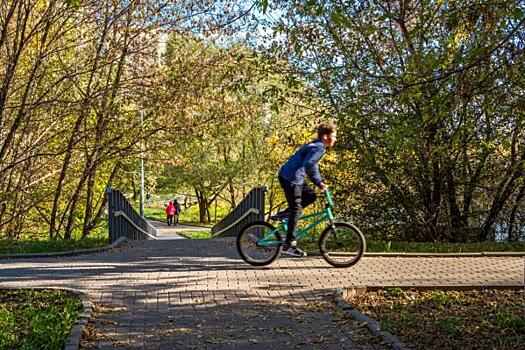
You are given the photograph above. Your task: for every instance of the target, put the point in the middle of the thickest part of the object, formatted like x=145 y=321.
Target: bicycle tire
x=248 y=238
x=343 y=249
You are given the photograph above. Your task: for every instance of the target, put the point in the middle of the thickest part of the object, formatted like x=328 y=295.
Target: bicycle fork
x=331 y=218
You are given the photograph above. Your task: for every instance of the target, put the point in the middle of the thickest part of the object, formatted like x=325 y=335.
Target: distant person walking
x=170 y=213
x=177 y=210
x=148 y=199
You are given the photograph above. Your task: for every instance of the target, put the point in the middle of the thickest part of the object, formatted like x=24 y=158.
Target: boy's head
x=327 y=132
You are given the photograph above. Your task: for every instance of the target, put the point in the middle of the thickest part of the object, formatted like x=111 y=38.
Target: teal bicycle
x=341 y=244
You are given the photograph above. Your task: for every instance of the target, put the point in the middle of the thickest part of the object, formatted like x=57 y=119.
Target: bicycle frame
x=324 y=215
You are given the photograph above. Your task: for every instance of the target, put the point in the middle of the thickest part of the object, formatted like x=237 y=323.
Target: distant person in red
x=170 y=212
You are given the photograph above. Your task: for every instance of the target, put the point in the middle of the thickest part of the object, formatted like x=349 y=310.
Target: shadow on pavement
x=224 y=319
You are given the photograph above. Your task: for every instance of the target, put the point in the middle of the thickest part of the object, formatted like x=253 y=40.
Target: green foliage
x=74 y=3
x=449 y=325
x=440 y=298
x=386 y=324
x=36 y=319
x=264 y=5
x=507 y=320
x=43 y=244
x=10 y=246
x=237 y=127
x=410 y=318
x=61 y=154
x=373 y=246
x=442 y=247
x=189 y=215
x=427 y=100
x=196 y=234
x=395 y=292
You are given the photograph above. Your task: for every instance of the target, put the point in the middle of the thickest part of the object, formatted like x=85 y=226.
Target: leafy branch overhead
x=428 y=97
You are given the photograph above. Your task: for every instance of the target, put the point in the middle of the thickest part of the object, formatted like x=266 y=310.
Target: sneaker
x=287 y=244
x=294 y=251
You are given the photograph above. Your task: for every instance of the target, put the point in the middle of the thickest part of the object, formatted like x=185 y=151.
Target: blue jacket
x=302 y=162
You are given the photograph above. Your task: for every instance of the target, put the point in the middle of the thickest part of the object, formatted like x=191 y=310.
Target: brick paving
x=198 y=294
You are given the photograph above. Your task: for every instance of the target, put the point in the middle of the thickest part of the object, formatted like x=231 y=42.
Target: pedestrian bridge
x=124 y=221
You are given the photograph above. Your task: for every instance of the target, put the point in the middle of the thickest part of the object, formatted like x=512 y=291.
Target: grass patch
x=10 y=246
x=196 y=234
x=36 y=319
x=422 y=247
x=185 y=218
x=154 y=213
x=43 y=244
x=485 y=319
x=443 y=247
x=188 y=216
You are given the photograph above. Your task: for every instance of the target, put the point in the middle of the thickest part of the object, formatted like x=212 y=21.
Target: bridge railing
x=124 y=221
x=250 y=209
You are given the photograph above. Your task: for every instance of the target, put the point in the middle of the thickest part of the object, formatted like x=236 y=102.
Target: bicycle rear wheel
x=342 y=247
x=259 y=243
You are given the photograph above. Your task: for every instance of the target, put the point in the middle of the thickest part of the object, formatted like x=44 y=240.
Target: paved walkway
x=198 y=294
x=171 y=232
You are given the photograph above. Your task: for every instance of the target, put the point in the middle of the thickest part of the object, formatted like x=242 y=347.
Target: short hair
x=325 y=129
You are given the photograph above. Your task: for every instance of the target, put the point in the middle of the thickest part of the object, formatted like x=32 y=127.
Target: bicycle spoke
x=259 y=244
x=343 y=246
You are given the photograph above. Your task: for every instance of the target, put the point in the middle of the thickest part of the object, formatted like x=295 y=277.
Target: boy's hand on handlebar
x=323 y=186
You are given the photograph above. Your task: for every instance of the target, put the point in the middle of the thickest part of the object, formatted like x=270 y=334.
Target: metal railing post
x=123 y=220
x=250 y=209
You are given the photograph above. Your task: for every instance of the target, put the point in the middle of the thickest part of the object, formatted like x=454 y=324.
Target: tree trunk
x=471 y=186
x=519 y=198
x=74 y=204
x=233 y=203
x=11 y=66
x=215 y=212
x=505 y=189
x=89 y=221
x=203 y=205
x=82 y=115
x=456 y=220
x=436 y=198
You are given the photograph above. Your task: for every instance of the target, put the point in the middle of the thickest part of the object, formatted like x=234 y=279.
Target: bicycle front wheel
x=342 y=247
x=259 y=243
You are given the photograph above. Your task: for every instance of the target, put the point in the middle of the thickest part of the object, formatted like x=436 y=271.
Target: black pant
x=297 y=197
x=169 y=220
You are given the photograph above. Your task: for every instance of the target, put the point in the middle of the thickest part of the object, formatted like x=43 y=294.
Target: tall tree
x=232 y=114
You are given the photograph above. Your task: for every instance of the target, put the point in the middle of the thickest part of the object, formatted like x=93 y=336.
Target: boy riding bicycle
x=292 y=179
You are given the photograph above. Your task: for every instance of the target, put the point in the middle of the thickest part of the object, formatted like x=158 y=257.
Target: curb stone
x=66 y=253
x=372 y=325
x=73 y=340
